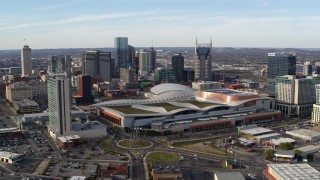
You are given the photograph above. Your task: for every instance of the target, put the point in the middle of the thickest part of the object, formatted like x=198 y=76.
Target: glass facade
x=61 y=64
x=121 y=45
x=203 y=61
x=280 y=64
x=178 y=66
x=59 y=105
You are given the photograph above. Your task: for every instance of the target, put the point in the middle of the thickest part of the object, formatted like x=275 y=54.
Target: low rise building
x=18 y=91
x=281 y=155
x=252 y=132
x=228 y=176
x=91 y=129
x=78 y=178
x=9 y=157
x=68 y=142
x=159 y=172
x=310 y=149
x=13 y=132
x=291 y=171
x=113 y=170
x=305 y=134
x=26 y=106
x=266 y=137
x=275 y=142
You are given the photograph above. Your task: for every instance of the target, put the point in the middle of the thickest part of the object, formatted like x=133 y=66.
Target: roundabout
x=134 y=144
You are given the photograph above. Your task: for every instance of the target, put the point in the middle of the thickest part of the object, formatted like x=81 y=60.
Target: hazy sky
x=95 y=23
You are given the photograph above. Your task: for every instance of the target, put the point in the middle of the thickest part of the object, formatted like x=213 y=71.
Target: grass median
x=206 y=145
x=106 y=145
x=129 y=143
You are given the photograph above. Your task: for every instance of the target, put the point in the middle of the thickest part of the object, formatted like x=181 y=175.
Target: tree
x=297 y=153
x=310 y=157
x=269 y=153
x=286 y=146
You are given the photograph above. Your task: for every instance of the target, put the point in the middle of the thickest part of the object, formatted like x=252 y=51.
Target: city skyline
x=176 y=23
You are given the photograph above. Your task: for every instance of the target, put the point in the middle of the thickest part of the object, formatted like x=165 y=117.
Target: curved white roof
x=161 y=88
x=169 y=96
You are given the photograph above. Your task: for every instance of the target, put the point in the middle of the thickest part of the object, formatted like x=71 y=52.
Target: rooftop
x=223 y=91
x=88 y=125
x=78 y=178
x=166 y=106
x=162 y=88
x=198 y=103
x=281 y=140
x=305 y=132
x=257 y=130
x=130 y=110
x=309 y=148
x=229 y=175
x=5 y=130
x=268 y=135
x=295 y=171
x=283 y=153
x=25 y=102
x=68 y=138
x=9 y=155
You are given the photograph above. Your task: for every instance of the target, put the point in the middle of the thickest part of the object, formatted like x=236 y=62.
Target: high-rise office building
x=84 y=95
x=59 y=105
x=295 y=96
x=165 y=75
x=315 y=118
x=121 y=45
x=280 y=64
x=203 y=61
x=307 y=69
x=146 y=58
x=26 y=63
x=178 y=66
x=97 y=63
x=131 y=56
x=60 y=64
x=153 y=58
x=127 y=75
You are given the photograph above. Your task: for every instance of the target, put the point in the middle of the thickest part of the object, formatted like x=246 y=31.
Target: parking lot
x=70 y=168
x=32 y=146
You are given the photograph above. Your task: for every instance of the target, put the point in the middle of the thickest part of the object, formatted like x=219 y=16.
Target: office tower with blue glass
x=121 y=46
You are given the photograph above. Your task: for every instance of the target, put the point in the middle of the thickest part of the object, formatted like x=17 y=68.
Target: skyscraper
x=121 y=45
x=83 y=95
x=60 y=64
x=97 y=63
x=295 y=96
x=26 y=63
x=145 y=62
x=203 y=61
x=307 y=69
x=131 y=56
x=59 y=105
x=153 y=58
x=280 y=64
x=178 y=66
x=316 y=107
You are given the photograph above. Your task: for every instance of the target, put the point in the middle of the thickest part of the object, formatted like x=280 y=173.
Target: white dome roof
x=167 y=87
